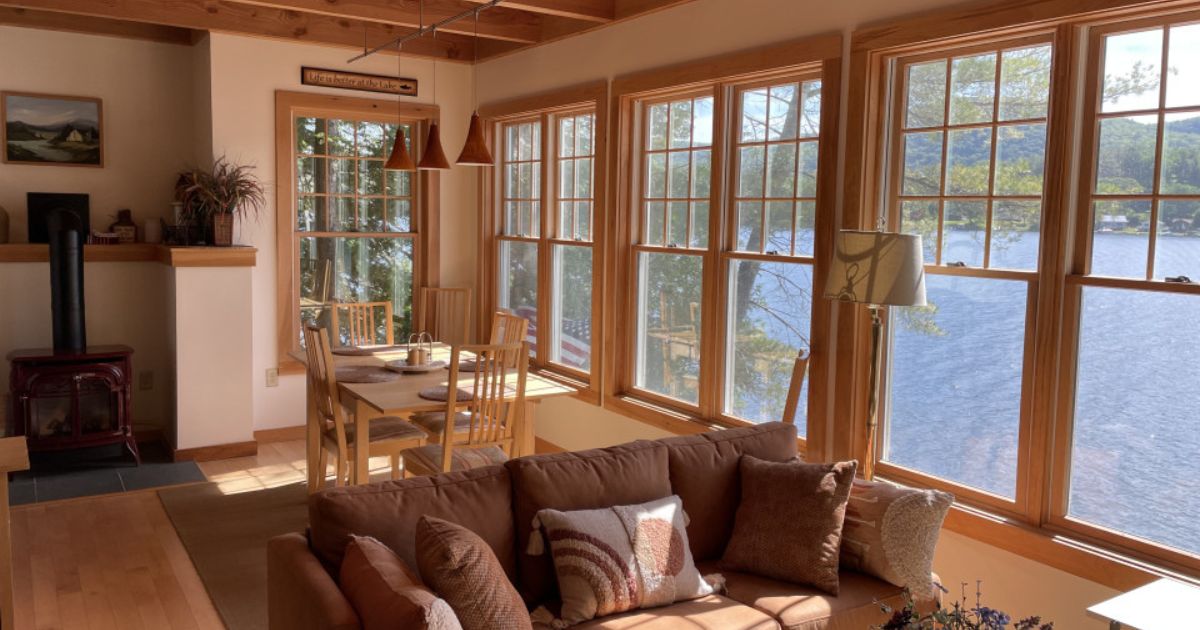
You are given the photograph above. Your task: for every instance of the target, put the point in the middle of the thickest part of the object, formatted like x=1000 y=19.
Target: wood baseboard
x=216 y=451
x=282 y=434
x=542 y=446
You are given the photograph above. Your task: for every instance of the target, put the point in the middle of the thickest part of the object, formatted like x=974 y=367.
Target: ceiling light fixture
x=434 y=158
x=400 y=159
x=475 y=151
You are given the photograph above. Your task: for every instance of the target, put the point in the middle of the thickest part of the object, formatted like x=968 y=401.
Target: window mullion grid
x=1158 y=152
x=941 y=220
x=991 y=183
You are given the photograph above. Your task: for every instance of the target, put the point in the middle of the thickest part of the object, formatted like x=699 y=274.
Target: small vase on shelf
x=222 y=229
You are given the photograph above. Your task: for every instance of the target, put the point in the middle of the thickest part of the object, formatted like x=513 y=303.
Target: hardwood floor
x=115 y=561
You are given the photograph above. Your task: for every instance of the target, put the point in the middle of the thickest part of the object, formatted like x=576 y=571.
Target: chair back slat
x=497 y=397
x=322 y=383
x=792 y=402
x=445 y=314
x=508 y=328
x=361 y=324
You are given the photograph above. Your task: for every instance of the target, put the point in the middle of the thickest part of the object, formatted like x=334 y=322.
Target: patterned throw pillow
x=621 y=558
x=385 y=593
x=789 y=523
x=891 y=533
x=464 y=571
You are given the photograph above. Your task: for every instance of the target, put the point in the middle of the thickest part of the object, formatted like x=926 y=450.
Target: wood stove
x=73 y=395
x=72 y=400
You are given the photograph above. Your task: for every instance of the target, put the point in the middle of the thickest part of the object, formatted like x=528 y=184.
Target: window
x=723 y=234
x=968 y=147
x=1050 y=378
x=543 y=225
x=521 y=170
x=1132 y=441
x=354 y=230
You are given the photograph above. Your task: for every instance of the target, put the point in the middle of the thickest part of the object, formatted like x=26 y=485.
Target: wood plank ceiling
x=353 y=24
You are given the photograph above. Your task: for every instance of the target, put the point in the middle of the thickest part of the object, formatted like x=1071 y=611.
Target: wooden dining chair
x=445 y=314
x=792 y=402
x=361 y=323
x=389 y=435
x=506 y=329
x=497 y=396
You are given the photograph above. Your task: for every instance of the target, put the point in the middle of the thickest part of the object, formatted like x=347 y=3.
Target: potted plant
x=960 y=616
x=219 y=196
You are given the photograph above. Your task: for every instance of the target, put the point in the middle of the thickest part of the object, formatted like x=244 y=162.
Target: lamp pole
x=868 y=468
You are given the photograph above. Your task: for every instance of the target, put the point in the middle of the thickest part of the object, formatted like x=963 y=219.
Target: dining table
x=402 y=397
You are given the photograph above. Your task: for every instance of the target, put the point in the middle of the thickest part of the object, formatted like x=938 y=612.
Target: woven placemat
x=366 y=374
x=442 y=393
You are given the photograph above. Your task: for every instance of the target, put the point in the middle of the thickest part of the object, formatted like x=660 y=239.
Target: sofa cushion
x=704 y=473
x=479 y=499
x=805 y=608
x=581 y=480
x=711 y=612
x=789 y=524
x=385 y=593
x=461 y=567
x=891 y=532
x=621 y=558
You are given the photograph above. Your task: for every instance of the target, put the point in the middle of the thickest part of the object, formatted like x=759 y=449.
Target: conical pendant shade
x=475 y=151
x=434 y=157
x=400 y=159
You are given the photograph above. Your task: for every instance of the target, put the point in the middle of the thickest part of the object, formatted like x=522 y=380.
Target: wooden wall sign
x=357 y=81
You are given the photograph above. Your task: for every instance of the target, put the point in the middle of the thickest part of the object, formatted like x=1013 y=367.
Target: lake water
x=956 y=389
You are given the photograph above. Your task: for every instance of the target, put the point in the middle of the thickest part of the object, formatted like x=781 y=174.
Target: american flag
x=575 y=342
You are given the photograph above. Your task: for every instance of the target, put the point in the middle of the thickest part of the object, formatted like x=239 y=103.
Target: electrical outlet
x=273 y=377
x=146 y=379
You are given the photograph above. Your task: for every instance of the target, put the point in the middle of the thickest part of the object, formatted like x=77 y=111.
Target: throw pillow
x=891 y=533
x=385 y=593
x=789 y=523
x=621 y=558
x=464 y=571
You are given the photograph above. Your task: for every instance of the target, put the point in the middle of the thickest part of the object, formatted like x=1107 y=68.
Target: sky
x=48 y=112
x=1124 y=50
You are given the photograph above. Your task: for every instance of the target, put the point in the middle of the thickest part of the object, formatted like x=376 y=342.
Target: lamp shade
x=400 y=159
x=882 y=268
x=475 y=151
x=434 y=157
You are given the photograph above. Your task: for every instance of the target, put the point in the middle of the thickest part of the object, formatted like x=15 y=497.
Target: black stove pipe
x=66 y=282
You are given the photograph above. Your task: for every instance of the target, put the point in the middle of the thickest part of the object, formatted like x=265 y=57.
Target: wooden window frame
x=289 y=105
x=547 y=108
x=814 y=57
x=1037 y=529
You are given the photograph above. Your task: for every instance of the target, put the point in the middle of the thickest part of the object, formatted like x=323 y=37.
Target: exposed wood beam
x=625 y=9
x=496 y=23
x=231 y=17
x=588 y=10
x=94 y=26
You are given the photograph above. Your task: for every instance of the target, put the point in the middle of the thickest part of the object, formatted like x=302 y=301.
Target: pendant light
x=434 y=158
x=475 y=151
x=400 y=159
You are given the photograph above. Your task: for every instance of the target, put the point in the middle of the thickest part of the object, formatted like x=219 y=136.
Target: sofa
x=499 y=503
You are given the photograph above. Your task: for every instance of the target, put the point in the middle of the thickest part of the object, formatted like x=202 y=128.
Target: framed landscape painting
x=52 y=130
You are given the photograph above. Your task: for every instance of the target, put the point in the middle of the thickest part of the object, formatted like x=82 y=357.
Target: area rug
x=226 y=536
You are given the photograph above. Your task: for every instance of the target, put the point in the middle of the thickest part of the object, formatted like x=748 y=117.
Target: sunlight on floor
x=277 y=464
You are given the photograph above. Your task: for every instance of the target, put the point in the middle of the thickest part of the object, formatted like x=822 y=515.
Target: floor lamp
x=877 y=269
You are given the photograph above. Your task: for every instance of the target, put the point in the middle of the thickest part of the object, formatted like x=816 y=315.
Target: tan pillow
x=789 y=523
x=464 y=571
x=621 y=558
x=891 y=533
x=385 y=594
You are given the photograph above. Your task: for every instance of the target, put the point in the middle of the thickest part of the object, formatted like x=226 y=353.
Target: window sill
x=583 y=389
x=1079 y=558
x=661 y=416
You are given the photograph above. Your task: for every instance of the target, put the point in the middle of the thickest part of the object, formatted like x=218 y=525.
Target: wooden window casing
x=548 y=112
x=723 y=81
x=422 y=198
x=1035 y=523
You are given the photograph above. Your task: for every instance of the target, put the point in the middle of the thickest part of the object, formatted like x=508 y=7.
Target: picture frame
x=51 y=130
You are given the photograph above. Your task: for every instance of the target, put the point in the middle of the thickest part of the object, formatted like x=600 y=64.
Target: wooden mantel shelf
x=238 y=256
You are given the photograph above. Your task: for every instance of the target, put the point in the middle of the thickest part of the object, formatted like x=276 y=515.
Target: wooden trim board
x=239 y=256
x=216 y=451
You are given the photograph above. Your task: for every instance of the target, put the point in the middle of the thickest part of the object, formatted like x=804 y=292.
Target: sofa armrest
x=300 y=593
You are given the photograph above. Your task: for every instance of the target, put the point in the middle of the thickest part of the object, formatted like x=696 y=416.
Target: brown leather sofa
x=499 y=502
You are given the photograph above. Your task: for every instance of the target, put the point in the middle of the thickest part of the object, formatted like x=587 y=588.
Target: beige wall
x=245 y=73
x=706 y=28
x=146 y=90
